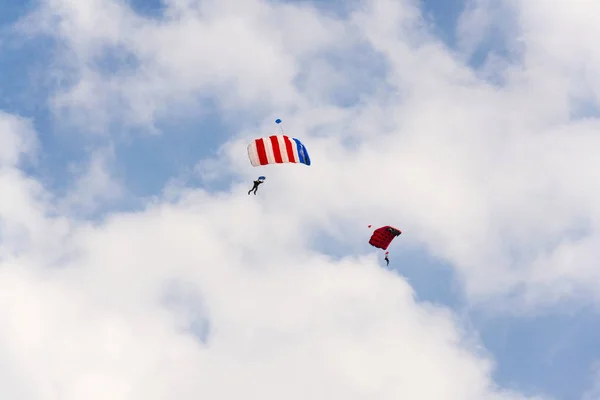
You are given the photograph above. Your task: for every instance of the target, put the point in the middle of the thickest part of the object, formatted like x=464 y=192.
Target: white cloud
x=94 y=183
x=20 y=211
x=116 y=310
x=236 y=49
x=488 y=177
x=499 y=179
x=112 y=319
x=18 y=139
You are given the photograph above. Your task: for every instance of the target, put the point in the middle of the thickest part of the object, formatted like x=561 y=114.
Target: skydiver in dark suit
x=255 y=187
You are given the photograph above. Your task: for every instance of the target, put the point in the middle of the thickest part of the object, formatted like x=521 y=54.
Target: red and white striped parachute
x=277 y=149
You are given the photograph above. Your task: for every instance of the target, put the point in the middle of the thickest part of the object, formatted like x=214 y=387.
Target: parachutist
x=387 y=260
x=394 y=231
x=255 y=187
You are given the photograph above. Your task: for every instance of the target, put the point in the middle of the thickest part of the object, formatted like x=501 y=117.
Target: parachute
x=277 y=149
x=382 y=237
x=261 y=178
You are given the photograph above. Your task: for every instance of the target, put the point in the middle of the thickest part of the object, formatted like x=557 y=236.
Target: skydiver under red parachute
x=382 y=237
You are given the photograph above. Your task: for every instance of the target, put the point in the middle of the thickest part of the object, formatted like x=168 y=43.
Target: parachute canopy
x=277 y=121
x=277 y=149
x=382 y=237
x=261 y=178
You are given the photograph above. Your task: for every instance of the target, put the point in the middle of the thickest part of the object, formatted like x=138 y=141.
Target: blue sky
x=551 y=353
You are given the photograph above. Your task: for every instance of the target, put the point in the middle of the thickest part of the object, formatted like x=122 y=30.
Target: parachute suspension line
x=278 y=122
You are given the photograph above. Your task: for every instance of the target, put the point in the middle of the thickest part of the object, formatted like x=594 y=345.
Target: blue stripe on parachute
x=302 y=152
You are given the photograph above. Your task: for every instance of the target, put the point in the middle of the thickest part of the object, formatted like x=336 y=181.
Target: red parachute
x=382 y=237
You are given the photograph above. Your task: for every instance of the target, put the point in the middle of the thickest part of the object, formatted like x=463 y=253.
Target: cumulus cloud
x=185 y=298
x=202 y=289
x=94 y=183
x=19 y=140
x=129 y=69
